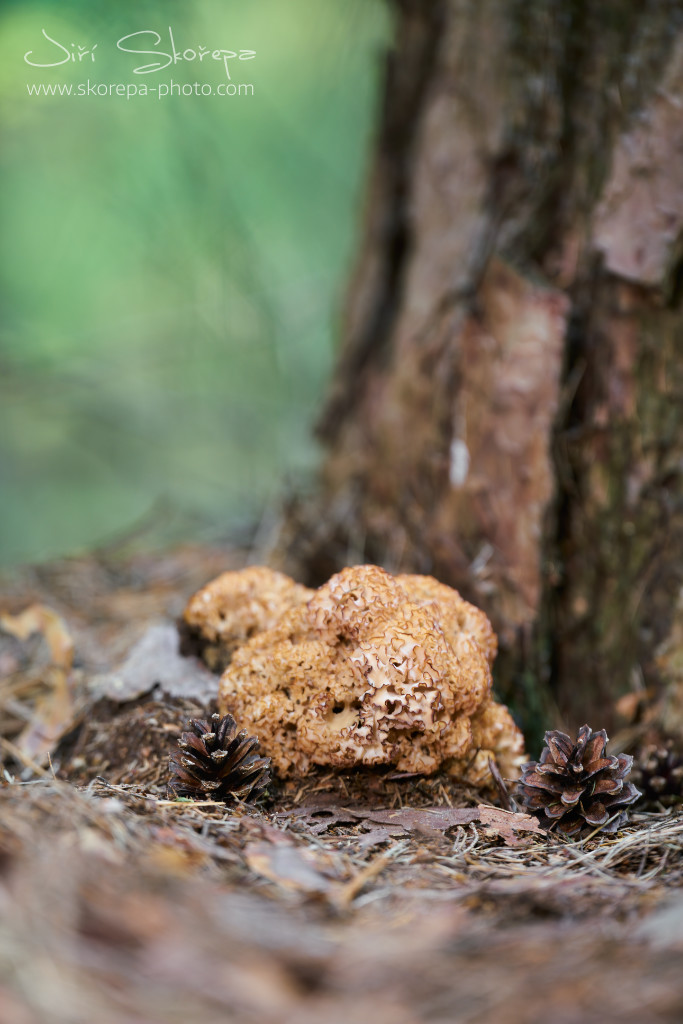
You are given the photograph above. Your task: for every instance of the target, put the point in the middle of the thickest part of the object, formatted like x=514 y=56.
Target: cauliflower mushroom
x=374 y=670
x=232 y=608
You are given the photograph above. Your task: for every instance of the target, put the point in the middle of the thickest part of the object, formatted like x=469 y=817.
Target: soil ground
x=357 y=897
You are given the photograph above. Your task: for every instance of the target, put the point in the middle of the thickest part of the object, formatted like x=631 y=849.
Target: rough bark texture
x=506 y=412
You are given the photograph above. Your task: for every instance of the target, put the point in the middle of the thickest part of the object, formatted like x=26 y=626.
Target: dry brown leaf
x=318 y=818
x=427 y=820
x=154 y=661
x=507 y=824
x=367 y=840
x=38 y=618
x=54 y=713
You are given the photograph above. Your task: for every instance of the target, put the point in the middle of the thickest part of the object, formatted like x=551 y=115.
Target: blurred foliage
x=171 y=269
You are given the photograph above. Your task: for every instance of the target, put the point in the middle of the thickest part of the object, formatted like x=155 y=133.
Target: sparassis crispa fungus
x=370 y=669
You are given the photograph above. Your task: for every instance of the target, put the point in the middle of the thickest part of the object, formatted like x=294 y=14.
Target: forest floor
x=361 y=897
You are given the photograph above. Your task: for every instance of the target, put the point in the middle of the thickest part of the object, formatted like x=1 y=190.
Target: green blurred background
x=172 y=270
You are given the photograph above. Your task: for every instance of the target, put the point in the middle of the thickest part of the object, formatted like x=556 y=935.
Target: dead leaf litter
x=343 y=897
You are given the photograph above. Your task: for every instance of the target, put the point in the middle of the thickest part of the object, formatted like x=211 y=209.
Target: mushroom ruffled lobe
x=235 y=606
x=456 y=616
x=375 y=670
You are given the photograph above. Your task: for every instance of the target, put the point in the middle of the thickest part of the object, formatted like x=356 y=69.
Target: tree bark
x=507 y=408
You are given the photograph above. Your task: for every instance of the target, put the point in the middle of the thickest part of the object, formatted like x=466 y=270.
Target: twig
x=505 y=800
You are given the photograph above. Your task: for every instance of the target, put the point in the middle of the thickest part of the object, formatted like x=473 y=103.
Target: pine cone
x=658 y=772
x=575 y=788
x=214 y=761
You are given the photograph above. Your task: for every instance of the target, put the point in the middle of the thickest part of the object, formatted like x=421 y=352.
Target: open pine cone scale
x=575 y=785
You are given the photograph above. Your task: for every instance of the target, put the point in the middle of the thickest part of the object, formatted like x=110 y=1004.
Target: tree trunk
x=507 y=409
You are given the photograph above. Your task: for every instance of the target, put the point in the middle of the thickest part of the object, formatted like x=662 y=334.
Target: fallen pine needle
x=349 y=892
